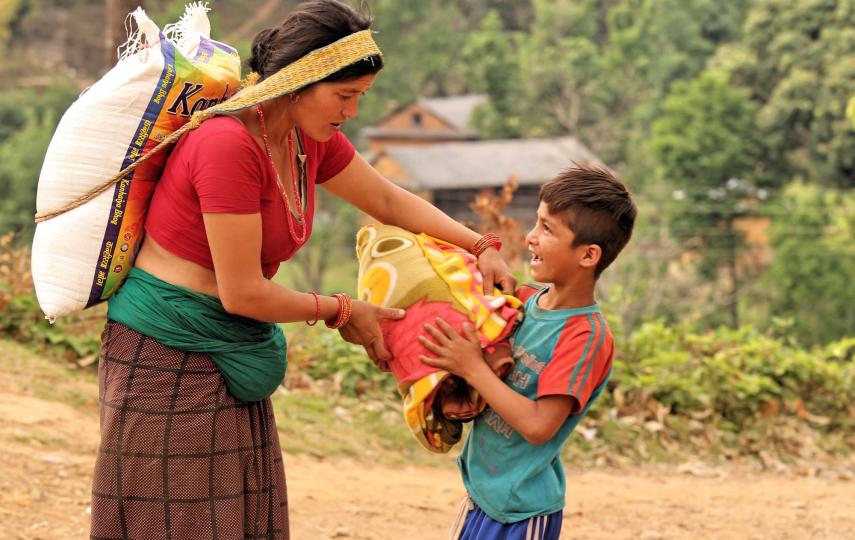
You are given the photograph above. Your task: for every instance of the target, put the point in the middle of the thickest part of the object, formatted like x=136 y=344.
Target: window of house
x=416 y=119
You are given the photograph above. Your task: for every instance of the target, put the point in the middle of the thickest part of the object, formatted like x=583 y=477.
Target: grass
x=314 y=423
x=325 y=425
x=339 y=276
x=315 y=419
x=33 y=439
x=47 y=378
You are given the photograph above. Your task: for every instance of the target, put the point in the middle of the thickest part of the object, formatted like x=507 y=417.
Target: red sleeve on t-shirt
x=227 y=174
x=524 y=292
x=338 y=152
x=580 y=361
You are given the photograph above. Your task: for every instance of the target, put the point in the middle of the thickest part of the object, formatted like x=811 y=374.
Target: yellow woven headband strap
x=315 y=66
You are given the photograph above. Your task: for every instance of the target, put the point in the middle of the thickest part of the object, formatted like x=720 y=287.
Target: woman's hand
x=495 y=271
x=459 y=354
x=363 y=328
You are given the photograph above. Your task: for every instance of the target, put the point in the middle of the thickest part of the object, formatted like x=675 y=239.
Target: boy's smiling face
x=554 y=259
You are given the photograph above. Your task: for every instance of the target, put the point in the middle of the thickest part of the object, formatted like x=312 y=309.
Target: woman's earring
x=295 y=97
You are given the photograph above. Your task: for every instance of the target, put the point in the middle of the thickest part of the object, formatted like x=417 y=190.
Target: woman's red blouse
x=219 y=168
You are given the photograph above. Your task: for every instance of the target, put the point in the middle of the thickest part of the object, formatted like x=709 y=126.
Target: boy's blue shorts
x=480 y=526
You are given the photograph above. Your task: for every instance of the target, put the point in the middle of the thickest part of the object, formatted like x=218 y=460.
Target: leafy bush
x=345 y=368
x=726 y=392
x=27 y=123
x=76 y=335
x=811 y=275
x=737 y=376
x=676 y=395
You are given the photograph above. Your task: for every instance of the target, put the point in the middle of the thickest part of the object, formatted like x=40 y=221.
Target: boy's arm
x=536 y=420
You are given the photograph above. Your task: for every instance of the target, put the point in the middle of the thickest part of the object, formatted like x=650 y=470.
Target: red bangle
x=487 y=241
x=345 y=309
x=317 y=309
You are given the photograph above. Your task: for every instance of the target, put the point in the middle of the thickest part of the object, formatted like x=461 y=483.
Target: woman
x=189 y=446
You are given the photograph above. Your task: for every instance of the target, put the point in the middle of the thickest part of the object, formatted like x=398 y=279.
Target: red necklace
x=298 y=237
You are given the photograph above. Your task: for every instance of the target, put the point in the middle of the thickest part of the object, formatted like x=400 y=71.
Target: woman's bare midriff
x=157 y=261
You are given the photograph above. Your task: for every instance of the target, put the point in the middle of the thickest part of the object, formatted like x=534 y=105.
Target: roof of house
x=372 y=132
x=455 y=110
x=486 y=163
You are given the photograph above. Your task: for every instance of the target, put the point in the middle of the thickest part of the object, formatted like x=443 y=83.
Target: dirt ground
x=47 y=451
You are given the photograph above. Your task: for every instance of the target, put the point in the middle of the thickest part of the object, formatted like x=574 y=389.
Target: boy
x=563 y=352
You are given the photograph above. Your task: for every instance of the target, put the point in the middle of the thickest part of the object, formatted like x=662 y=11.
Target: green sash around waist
x=250 y=354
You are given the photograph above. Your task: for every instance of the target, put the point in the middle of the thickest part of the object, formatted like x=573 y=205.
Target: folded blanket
x=430 y=278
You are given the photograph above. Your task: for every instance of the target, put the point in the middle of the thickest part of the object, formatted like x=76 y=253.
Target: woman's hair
x=310 y=26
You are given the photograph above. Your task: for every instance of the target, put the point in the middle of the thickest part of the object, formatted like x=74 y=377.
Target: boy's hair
x=596 y=206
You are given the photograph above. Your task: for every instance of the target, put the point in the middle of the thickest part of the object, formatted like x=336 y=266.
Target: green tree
x=493 y=67
x=27 y=123
x=705 y=134
x=798 y=60
x=706 y=147
x=596 y=70
x=11 y=12
x=421 y=42
x=651 y=44
x=661 y=41
x=330 y=248
x=515 y=15
x=21 y=156
x=562 y=70
x=810 y=279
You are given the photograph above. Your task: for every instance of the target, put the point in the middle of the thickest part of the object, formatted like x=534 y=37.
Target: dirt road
x=47 y=451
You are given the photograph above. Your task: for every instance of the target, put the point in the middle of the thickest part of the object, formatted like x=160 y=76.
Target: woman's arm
x=235 y=242
x=364 y=187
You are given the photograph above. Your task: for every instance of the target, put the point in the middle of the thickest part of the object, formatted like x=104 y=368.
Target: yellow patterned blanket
x=430 y=278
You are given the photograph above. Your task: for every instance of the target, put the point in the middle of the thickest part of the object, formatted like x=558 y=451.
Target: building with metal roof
x=452 y=175
x=426 y=121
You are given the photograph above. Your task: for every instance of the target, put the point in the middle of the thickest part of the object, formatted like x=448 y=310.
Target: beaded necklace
x=298 y=237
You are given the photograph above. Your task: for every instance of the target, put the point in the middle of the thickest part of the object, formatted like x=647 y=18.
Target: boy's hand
x=459 y=354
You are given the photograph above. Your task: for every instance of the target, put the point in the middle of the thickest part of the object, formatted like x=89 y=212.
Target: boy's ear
x=591 y=256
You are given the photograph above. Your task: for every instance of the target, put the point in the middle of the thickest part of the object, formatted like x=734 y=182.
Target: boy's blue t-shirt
x=563 y=352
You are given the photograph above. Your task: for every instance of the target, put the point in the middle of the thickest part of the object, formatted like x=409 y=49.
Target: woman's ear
x=591 y=256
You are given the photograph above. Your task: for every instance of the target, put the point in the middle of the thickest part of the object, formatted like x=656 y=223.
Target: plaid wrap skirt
x=180 y=457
